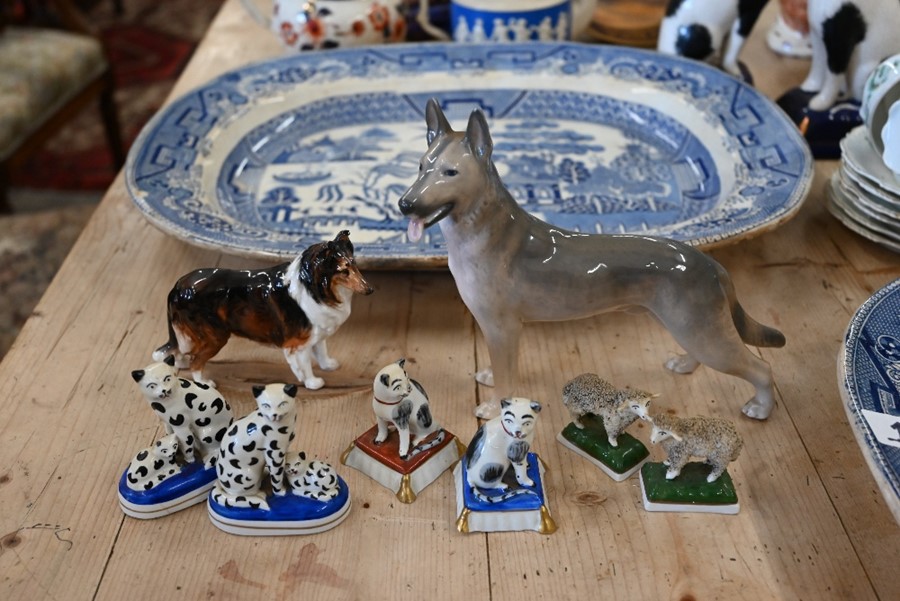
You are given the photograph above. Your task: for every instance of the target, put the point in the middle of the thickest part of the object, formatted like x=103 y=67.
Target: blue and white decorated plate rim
x=883 y=461
x=165 y=171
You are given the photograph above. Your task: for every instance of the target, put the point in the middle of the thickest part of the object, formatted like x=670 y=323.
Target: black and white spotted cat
x=153 y=465
x=311 y=478
x=195 y=413
x=256 y=445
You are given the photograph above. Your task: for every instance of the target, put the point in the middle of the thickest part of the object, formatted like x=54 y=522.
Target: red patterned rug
x=149 y=45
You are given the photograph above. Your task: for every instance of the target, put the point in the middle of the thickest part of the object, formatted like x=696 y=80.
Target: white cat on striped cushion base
x=500 y=443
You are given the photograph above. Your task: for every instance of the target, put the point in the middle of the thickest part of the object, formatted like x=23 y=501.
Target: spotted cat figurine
x=196 y=413
x=256 y=445
x=153 y=465
x=500 y=443
x=311 y=478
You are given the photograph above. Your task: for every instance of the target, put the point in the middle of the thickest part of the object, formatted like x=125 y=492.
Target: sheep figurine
x=589 y=393
x=712 y=438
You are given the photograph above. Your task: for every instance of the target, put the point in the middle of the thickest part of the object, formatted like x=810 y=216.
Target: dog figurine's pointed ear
x=478 y=136
x=257 y=390
x=401 y=362
x=170 y=360
x=290 y=390
x=436 y=121
x=342 y=241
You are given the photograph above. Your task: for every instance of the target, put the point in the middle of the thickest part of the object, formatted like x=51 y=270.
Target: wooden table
x=813 y=524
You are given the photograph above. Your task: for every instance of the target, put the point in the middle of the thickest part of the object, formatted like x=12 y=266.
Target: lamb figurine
x=712 y=438
x=589 y=393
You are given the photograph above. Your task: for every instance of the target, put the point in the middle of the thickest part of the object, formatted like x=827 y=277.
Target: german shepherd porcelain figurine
x=511 y=267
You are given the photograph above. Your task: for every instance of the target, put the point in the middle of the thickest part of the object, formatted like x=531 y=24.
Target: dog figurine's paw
x=485 y=377
x=329 y=364
x=199 y=379
x=313 y=383
x=487 y=410
x=682 y=364
x=756 y=410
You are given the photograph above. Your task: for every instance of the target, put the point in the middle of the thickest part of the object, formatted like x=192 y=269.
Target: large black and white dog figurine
x=849 y=39
x=701 y=29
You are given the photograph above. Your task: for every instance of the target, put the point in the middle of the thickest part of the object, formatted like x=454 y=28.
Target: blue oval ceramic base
x=825 y=129
x=189 y=487
x=287 y=515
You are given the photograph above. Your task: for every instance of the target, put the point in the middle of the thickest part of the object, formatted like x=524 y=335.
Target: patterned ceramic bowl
x=878 y=110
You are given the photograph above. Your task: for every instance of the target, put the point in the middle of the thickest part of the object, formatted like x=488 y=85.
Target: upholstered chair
x=46 y=77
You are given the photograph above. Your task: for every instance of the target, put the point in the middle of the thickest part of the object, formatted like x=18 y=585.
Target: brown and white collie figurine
x=295 y=306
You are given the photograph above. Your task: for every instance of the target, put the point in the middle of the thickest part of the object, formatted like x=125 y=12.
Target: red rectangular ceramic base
x=388 y=452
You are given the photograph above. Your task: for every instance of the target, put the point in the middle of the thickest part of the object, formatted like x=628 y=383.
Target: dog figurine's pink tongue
x=415 y=229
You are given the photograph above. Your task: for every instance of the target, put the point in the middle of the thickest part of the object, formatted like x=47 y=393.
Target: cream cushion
x=40 y=70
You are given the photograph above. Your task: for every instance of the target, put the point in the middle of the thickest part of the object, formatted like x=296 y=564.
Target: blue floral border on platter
x=162 y=173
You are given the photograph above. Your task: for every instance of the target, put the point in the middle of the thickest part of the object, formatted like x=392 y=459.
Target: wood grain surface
x=812 y=525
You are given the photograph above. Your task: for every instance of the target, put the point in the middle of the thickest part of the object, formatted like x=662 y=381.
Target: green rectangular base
x=592 y=443
x=689 y=492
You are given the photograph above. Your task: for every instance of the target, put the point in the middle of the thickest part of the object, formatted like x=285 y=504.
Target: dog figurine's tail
x=751 y=331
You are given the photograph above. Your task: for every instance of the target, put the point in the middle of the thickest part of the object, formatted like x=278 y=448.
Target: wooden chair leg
x=111 y=122
x=5 y=209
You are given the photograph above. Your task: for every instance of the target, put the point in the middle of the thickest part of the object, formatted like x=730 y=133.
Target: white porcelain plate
x=869 y=380
x=847 y=209
x=859 y=156
x=267 y=159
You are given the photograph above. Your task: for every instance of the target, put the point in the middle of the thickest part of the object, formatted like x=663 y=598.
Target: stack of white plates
x=864 y=194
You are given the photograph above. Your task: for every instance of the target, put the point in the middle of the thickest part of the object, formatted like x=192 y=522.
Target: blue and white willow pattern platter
x=869 y=381
x=269 y=158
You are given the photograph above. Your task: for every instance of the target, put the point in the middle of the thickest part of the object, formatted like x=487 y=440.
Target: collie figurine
x=295 y=306
x=511 y=267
